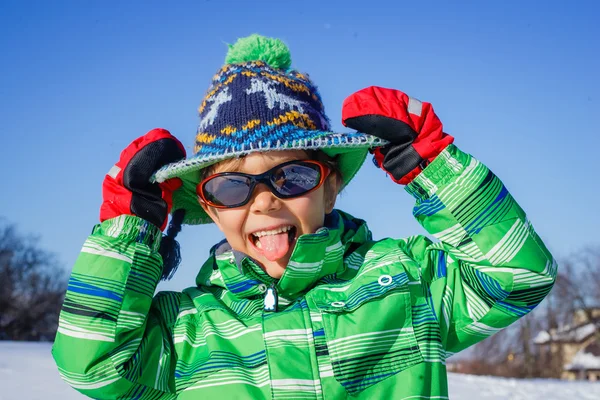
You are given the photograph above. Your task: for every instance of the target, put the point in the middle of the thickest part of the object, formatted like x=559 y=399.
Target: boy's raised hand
x=411 y=126
x=127 y=189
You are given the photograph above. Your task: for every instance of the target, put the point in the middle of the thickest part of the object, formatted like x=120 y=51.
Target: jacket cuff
x=131 y=228
x=444 y=169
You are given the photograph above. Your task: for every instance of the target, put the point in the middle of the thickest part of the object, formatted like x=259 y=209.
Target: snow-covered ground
x=27 y=372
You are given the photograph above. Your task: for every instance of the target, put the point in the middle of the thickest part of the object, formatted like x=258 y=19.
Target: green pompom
x=256 y=47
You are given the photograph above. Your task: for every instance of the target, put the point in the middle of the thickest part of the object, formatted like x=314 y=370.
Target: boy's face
x=255 y=228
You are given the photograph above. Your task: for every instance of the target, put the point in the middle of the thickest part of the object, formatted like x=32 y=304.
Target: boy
x=298 y=302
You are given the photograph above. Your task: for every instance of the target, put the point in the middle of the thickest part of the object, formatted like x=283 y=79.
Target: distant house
x=577 y=346
x=586 y=363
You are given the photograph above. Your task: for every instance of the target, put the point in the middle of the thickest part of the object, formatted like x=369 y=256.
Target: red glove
x=127 y=189
x=412 y=128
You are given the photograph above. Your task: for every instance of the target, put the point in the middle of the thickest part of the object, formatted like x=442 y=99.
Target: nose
x=263 y=201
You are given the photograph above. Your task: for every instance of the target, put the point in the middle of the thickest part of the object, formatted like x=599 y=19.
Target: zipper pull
x=271 y=299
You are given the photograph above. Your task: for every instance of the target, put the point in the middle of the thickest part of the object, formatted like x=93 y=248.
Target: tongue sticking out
x=273 y=247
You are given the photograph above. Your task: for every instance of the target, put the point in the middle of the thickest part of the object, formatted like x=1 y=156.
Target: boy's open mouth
x=274 y=243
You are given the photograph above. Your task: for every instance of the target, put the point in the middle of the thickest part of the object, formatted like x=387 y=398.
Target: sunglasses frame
x=263 y=178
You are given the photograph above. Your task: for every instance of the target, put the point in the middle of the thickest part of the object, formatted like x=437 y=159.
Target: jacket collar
x=315 y=256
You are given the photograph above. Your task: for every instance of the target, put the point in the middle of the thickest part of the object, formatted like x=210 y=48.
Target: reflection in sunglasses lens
x=227 y=190
x=296 y=179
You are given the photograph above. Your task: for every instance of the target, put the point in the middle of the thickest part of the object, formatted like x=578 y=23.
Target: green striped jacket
x=353 y=317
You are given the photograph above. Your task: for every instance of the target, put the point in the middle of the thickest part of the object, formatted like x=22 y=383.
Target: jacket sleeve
x=489 y=267
x=114 y=337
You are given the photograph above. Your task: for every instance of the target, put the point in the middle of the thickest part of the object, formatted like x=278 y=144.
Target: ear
x=211 y=212
x=332 y=187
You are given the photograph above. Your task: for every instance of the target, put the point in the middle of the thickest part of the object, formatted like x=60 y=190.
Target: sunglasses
x=288 y=180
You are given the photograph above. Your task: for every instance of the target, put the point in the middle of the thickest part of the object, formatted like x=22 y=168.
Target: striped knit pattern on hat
x=252 y=105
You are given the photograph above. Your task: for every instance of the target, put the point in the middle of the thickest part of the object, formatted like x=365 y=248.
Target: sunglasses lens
x=227 y=190
x=296 y=179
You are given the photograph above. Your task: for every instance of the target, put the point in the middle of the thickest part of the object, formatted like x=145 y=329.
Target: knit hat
x=257 y=103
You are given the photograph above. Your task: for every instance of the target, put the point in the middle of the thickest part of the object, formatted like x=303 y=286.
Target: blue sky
x=517 y=85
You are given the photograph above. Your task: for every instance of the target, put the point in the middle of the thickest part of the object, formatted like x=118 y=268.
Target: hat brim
x=350 y=149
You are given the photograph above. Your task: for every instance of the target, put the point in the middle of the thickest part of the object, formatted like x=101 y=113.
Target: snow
x=584 y=360
x=488 y=387
x=27 y=371
x=542 y=337
x=567 y=334
x=585 y=331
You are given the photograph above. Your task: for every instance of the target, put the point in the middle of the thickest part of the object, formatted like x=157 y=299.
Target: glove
x=127 y=189
x=411 y=126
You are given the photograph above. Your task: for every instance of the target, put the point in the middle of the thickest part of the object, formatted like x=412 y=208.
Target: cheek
x=231 y=222
x=310 y=210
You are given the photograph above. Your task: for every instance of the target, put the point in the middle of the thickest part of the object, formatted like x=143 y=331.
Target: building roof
x=568 y=334
x=586 y=358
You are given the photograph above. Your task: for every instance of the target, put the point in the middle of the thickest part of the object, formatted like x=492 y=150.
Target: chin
x=275 y=269
x=276 y=274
